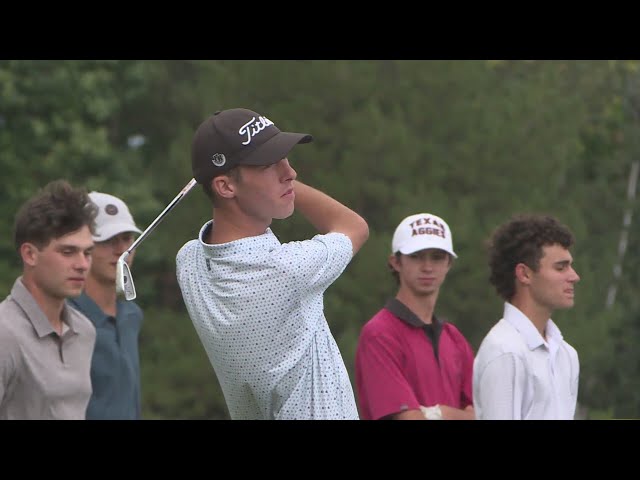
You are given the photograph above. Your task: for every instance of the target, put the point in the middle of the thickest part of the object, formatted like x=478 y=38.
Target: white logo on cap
x=218 y=159
x=257 y=127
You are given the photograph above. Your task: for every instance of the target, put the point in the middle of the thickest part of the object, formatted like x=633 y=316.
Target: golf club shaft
x=160 y=217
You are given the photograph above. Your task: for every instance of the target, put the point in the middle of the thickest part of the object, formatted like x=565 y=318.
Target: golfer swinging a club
x=257 y=304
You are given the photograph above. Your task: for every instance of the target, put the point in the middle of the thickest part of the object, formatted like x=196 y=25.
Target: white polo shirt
x=517 y=375
x=257 y=306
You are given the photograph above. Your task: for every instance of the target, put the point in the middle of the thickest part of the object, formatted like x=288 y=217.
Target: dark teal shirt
x=115 y=366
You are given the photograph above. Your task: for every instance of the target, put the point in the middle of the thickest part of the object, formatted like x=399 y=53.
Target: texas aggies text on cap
x=420 y=231
x=113 y=217
x=238 y=137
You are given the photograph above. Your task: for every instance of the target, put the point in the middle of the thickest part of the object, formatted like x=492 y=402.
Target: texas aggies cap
x=238 y=137
x=421 y=231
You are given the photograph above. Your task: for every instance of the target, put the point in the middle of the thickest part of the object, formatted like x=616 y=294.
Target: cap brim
x=410 y=249
x=275 y=149
x=114 y=229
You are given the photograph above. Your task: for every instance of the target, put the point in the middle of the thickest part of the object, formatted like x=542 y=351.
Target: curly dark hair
x=56 y=210
x=520 y=240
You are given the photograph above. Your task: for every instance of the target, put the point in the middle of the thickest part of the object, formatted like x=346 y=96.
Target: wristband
x=432 y=413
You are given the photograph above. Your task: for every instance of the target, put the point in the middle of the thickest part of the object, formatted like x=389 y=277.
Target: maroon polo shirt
x=401 y=364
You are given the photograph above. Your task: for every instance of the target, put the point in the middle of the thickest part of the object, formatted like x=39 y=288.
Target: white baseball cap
x=113 y=217
x=420 y=231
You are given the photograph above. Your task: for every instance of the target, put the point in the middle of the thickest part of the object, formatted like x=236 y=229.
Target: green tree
x=472 y=141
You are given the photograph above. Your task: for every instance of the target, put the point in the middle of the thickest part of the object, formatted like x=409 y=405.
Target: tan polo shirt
x=43 y=375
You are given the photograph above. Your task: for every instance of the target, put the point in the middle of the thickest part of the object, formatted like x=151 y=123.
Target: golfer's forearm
x=408 y=415
x=450 y=413
x=328 y=215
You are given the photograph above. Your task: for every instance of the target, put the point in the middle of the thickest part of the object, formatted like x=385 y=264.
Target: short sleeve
x=382 y=388
x=317 y=262
x=181 y=258
x=501 y=383
x=7 y=361
x=467 y=381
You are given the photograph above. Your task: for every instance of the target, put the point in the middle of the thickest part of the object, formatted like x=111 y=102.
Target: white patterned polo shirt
x=257 y=306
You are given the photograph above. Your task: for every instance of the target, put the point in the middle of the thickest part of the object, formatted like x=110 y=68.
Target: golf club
x=124 y=280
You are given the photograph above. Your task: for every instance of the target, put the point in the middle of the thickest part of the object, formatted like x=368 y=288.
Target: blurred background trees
x=471 y=141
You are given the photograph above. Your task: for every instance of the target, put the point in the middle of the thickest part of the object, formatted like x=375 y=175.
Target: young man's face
x=552 y=286
x=106 y=255
x=266 y=192
x=60 y=268
x=422 y=272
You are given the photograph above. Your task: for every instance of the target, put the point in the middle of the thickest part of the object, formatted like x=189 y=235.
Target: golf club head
x=124 y=280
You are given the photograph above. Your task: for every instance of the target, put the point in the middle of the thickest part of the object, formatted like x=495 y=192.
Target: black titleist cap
x=238 y=137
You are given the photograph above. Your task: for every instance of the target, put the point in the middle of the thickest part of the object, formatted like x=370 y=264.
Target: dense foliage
x=471 y=141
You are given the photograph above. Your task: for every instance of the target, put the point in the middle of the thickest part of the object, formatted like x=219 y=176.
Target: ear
x=523 y=273
x=29 y=254
x=224 y=186
x=394 y=263
x=450 y=263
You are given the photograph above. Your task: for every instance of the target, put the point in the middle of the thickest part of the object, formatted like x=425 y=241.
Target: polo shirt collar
x=405 y=314
x=257 y=243
x=529 y=332
x=36 y=316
